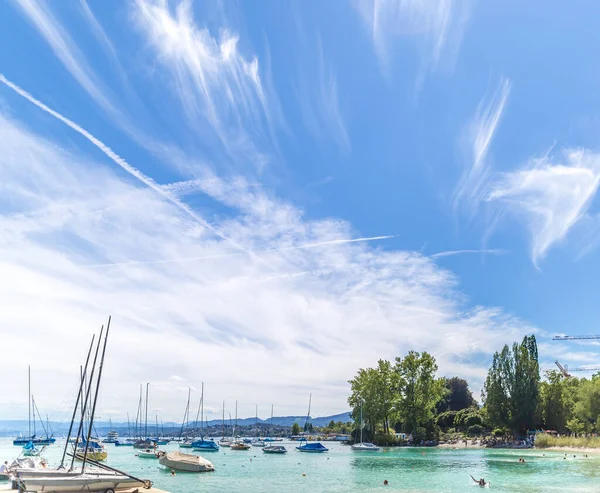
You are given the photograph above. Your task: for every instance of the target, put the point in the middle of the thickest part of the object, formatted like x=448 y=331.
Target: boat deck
x=6 y=487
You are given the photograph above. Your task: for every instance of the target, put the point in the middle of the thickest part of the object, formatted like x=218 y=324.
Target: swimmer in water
x=480 y=482
x=385 y=482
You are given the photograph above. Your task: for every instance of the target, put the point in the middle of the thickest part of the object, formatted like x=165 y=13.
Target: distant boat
x=95 y=450
x=112 y=436
x=364 y=446
x=257 y=442
x=185 y=462
x=274 y=449
x=32 y=437
x=148 y=453
x=123 y=444
x=203 y=445
x=225 y=442
x=314 y=447
x=30 y=450
x=240 y=445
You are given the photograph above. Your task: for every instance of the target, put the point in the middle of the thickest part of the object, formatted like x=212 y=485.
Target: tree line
x=407 y=396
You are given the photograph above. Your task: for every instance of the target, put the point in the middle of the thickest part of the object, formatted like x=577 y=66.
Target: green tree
x=457 y=397
x=418 y=390
x=511 y=388
x=556 y=402
x=295 y=429
x=373 y=388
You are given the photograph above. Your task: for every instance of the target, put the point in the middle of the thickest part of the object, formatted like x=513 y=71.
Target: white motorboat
x=148 y=453
x=80 y=482
x=257 y=442
x=239 y=445
x=225 y=442
x=185 y=462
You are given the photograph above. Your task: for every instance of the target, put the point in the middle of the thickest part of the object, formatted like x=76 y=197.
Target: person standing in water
x=480 y=482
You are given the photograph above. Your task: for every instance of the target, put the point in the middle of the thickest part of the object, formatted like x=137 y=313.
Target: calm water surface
x=342 y=470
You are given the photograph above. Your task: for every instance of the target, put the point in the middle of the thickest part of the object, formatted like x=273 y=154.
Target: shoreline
x=461 y=446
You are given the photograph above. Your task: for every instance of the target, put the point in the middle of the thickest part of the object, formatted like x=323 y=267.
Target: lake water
x=342 y=470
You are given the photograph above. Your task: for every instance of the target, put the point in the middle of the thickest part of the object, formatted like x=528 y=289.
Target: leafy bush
x=420 y=434
x=498 y=432
x=475 y=430
x=446 y=419
x=544 y=440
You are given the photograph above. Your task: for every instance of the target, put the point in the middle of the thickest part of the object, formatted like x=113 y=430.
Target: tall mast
x=361 y=423
x=223 y=421
x=29 y=398
x=128 y=429
x=85 y=400
x=235 y=426
x=256 y=421
x=271 y=419
x=146 y=419
x=156 y=426
x=187 y=409
x=308 y=415
x=80 y=393
x=202 y=413
x=93 y=411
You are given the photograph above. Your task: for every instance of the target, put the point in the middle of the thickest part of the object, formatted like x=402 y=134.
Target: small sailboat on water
x=203 y=444
x=33 y=438
x=238 y=443
x=270 y=448
x=224 y=441
x=313 y=447
x=364 y=446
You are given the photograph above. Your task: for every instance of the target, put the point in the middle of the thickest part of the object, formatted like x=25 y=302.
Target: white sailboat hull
x=81 y=482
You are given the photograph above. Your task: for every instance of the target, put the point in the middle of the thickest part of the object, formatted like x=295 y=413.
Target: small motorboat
x=203 y=445
x=314 y=447
x=148 y=453
x=257 y=442
x=185 y=462
x=365 y=447
x=274 y=449
x=123 y=444
x=225 y=442
x=240 y=445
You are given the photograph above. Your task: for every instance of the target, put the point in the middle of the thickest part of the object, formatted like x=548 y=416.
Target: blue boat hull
x=35 y=441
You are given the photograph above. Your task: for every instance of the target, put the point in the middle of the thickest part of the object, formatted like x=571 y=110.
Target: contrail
x=149 y=182
x=459 y=252
x=226 y=255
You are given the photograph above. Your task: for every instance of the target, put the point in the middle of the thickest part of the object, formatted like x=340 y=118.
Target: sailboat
x=186 y=443
x=237 y=443
x=63 y=480
x=225 y=441
x=129 y=442
x=273 y=449
x=364 y=446
x=30 y=450
x=147 y=446
x=47 y=440
x=257 y=441
x=203 y=445
x=314 y=447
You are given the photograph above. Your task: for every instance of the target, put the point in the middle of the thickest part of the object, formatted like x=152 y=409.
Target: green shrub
x=498 y=432
x=475 y=430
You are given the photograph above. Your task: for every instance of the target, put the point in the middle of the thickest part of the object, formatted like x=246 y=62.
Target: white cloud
x=320 y=103
x=473 y=186
x=214 y=82
x=549 y=197
x=315 y=314
x=66 y=50
x=437 y=25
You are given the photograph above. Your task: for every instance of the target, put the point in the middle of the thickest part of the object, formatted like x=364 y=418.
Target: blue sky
x=201 y=171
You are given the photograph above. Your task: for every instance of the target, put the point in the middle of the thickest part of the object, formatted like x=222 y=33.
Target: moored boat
x=205 y=445
x=148 y=453
x=274 y=449
x=80 y=482
x=364 y=446
x=239 y=445
x=314 y=447
x=185 y=462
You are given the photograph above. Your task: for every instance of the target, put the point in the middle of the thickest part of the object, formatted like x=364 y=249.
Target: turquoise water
x=342 y=470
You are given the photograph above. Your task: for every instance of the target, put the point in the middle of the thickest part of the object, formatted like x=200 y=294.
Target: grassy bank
x=544 y=440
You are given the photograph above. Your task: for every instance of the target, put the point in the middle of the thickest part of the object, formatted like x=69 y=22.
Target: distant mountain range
x=16 y=427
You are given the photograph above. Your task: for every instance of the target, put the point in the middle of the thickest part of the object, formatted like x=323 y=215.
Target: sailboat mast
x=128 y=428
x=223 y=421
x=235 y=426
x=85 y=400
x=256 y=421
x=29 y=398
x=202 y=413
x=79 y=395
x=146 y=419
x=93 y=411
x=361 y=423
